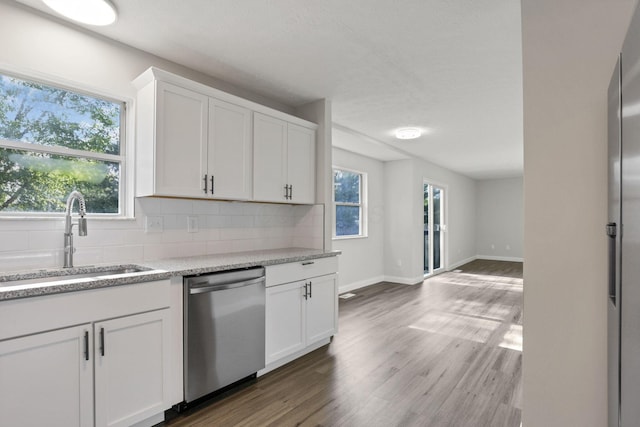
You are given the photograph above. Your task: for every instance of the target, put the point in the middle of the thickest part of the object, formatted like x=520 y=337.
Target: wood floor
x=444 y=353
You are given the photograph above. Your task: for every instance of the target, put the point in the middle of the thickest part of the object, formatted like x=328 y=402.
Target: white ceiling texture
x=450 y=67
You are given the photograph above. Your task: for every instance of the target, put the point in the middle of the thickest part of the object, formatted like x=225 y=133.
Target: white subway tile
x=14 y=241
x=44 y=239
x=149 y=206
x=27 y=260
x=205 y=207
x=233 y=209
x=177 y=206
x=123 y=254
x=88 y=256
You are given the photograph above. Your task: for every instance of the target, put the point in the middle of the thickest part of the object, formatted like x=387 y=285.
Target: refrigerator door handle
x=612 y=232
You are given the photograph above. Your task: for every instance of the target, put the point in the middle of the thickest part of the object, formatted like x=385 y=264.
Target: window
x=348 y=201
x=54 y=141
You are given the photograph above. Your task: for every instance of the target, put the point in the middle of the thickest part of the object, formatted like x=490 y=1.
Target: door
x=181 y=141
x=285 y=320
x=434 y=228
x=322 y=306
x=131 y=368
x=47 y=379
x=269 y=158
x=301 y=163
x=613 y=240
x=229 y=151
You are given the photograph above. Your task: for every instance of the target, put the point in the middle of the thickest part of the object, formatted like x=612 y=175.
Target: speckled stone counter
x=154 y=270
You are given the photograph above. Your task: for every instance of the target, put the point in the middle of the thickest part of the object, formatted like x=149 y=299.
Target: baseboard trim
x=281 y=362
x=499 y=258
x=360 y=284
x=404 y=280
x=463 y=262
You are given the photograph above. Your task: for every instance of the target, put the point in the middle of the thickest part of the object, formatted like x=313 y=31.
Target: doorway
x=433 y=228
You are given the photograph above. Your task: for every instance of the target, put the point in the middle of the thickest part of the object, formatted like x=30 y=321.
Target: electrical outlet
x=192 y=224
x=153 y=224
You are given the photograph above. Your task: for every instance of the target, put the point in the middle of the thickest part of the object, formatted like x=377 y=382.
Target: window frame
x=124 y=159
x=362 y=205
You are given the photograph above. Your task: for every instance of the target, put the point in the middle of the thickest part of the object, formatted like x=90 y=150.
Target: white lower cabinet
x=299 y=314
x=112 y=368
x=285 y=320
x=46 y=379
x=130 y=374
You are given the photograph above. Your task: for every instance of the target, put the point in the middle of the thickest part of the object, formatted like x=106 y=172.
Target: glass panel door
x=427 y=237
x=433 y=229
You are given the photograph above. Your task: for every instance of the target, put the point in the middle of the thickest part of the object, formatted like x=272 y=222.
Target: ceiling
x=450 y=67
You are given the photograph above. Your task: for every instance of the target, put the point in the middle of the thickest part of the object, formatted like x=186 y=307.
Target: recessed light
x=408 y=133
x=92 y=12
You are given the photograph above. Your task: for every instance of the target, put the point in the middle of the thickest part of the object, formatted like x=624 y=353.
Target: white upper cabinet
x=270 y=159
x=301 y=163
x=229 y=151
x=284 y=161
x=181 y=128
x=194 y=141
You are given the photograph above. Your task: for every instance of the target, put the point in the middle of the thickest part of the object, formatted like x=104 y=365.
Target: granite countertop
x=66 y=280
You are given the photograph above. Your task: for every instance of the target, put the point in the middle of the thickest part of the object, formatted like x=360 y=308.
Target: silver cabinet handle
x=306 y=295
x=310 y=288
x=102 y=341
x=86 y=345
x=308 y=263
x=286 y=191
x=205 y=183
x=611 y=233
x=212 y=185
x=291 y=192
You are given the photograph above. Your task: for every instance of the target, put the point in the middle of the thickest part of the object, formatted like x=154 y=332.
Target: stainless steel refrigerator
x=623 y=230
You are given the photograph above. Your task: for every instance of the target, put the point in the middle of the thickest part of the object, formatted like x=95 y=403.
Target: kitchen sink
x=73 y=274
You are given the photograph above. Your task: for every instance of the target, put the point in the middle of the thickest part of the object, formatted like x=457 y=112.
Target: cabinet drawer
x=290 y=272
x=66 y=309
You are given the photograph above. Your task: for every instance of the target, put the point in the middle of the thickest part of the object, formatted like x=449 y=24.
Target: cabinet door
x=131 y=368
x=301 y=163
x=229 y=155
x=322 y=308
x=181 y=141
x=285 y=320
x=45 y=379
x=269 y=158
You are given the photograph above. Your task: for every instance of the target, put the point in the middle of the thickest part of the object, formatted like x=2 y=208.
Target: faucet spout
x=68 y=226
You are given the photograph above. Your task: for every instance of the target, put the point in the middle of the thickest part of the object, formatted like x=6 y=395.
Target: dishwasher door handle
x=224 y=286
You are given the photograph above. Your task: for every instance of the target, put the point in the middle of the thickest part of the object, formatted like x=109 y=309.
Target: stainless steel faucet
x=68 y=225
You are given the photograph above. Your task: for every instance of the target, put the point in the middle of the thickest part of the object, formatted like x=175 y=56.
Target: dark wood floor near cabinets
x=444 y=353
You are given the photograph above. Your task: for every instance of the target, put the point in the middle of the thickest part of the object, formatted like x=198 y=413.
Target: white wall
x=404 y=216
x=44 y=48
x=460 y=211
x=569 y=51
x=500 y=219
x=362 y=259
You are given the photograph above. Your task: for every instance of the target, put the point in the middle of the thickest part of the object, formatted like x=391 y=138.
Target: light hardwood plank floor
x=446 y=353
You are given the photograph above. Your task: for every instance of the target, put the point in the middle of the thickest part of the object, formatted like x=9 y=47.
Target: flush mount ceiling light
x=92 y=12
x=408 y=133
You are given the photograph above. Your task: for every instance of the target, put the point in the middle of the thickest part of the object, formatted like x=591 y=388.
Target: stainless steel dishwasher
x=224 y=329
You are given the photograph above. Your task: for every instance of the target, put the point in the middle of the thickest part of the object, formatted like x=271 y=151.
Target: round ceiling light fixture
x=408 y=133
x=92 y=12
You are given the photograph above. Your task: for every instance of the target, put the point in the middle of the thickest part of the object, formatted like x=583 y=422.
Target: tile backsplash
x=217 y=227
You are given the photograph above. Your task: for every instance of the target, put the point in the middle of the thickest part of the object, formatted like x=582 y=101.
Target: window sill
x=349 y=237
x=61 y=217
